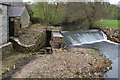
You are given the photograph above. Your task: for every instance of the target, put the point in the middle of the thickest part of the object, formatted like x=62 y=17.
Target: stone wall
x=6 y=49
x=39 y=43
x=17 y=26
x=3 y=24
x=57 y=40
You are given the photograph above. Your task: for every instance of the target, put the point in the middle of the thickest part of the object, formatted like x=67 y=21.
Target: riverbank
x=113 y=34
x=74 y=63
x=110 y=28
x=77 y=63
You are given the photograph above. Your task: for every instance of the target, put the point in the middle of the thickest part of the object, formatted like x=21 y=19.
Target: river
x=97 y=40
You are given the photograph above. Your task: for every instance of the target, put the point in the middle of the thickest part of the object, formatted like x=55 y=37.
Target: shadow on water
x=73 y=26
x=93 y=40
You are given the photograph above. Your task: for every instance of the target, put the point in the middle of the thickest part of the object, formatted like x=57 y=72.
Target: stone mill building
x=13 y=18
x=4 y=29
x=18 y=19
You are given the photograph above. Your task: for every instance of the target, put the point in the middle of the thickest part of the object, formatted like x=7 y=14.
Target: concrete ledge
x=6 y=49
x=57 y=34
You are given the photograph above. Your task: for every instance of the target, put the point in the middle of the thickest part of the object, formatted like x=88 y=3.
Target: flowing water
x=97 y=40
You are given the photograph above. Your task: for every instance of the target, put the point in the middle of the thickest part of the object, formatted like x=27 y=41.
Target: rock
x=98 y=74
x=108 y=68
x=113 y=34
x=101 y=63
x=114 y=39
x=90 y=74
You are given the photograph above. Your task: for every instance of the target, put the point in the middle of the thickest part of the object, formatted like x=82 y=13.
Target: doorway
x=11 y=27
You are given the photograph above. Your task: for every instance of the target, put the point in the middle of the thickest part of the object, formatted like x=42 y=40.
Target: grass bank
x=107 y=24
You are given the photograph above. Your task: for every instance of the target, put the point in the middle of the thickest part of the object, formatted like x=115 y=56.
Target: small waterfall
x=81 y=37
x=97 y=40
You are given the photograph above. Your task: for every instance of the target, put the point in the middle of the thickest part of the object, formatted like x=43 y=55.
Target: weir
x=95 y=39
x=73 y=38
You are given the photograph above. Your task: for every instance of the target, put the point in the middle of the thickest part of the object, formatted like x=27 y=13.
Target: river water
x=97 y=40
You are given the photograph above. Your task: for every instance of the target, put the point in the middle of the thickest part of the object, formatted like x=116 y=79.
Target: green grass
x=52 y=27
x=108 y=24
x=92 y=51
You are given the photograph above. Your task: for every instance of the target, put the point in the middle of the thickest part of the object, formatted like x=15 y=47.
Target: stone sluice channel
x=95 y=39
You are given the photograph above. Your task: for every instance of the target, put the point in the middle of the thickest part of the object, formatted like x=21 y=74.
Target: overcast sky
x=111 y=1
x=114 y=1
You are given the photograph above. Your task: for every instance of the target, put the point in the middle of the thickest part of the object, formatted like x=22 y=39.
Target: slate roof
x=14 y=11
x=6 y=4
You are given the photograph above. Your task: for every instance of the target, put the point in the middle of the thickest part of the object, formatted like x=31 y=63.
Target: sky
x=111 y=1
x=114 y=1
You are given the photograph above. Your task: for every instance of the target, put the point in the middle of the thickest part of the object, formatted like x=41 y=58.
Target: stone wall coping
x=6 y=44
x=57 y=34
x=17 y=40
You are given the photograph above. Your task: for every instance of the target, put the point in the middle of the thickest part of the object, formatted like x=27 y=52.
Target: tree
x=48 y=13
x=28 y=7
x=112 y=10
x=56 y=13
x=85 y=12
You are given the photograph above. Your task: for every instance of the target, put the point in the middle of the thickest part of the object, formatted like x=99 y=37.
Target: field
x=108 y=24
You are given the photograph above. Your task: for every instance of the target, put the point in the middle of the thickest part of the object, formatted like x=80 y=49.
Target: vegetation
x=80 y=14
x=113 y=12
x=52 y=27
x=48 y=13
x=65 y=13
x=107 y=24
x=92 y=51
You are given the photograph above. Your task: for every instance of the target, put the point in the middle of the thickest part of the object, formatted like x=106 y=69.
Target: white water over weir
x=97 y=40
x=73 y=38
